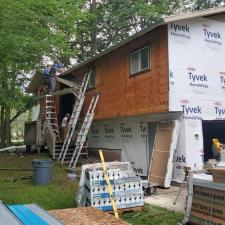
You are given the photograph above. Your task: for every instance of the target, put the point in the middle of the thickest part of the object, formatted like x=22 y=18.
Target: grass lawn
x=61 y=192
x=153 y=215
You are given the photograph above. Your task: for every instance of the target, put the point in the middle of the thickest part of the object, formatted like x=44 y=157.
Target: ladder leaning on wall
x=74 y=117
x=82 y=135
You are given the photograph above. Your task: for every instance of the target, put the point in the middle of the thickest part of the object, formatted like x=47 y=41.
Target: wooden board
x=87 y=216
x=164 y=145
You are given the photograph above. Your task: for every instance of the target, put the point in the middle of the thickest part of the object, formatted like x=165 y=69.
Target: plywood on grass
x=86 y=216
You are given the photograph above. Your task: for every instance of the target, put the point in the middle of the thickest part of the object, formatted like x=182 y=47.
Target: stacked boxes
x=218 y=174
x=127 y=190
x=208 y=201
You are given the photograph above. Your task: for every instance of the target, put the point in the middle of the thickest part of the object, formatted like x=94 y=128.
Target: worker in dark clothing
x=47 y=76
x=56 y=67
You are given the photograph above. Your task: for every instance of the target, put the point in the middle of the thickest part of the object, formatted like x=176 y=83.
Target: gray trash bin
x=42 y=171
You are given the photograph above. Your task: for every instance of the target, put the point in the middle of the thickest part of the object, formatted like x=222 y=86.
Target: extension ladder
x=48 y=115
x=81 y=138
x=74 y=117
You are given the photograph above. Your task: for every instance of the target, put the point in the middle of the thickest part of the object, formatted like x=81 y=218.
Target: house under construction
x=161 y=97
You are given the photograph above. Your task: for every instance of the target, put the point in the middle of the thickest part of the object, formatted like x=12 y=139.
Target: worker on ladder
x=47 y=76
x=217 y=147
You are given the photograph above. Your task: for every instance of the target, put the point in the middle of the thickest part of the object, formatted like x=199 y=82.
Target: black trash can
x=42 y=171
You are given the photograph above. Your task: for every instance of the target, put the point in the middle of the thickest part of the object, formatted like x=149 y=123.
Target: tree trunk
x=2 y=127
x=7 y=127
x=93 y=29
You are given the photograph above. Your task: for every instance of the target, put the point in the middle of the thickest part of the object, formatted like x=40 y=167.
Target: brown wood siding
x=122 y=95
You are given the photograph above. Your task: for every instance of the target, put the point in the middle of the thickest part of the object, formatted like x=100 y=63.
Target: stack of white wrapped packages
x=126 y=187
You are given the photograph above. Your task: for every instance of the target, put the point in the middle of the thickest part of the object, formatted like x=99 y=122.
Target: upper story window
x=92 y=80
x=139 y=60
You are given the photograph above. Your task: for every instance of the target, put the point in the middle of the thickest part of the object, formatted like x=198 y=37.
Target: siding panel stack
x=208 y=201
x=126 y=190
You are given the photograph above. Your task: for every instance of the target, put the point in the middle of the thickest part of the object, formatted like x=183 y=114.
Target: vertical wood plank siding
x=122 y=95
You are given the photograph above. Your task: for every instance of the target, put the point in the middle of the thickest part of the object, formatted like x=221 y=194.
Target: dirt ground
x=166 y=197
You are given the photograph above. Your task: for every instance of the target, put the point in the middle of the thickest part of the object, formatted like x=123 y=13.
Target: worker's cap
x=67 y=115
x=215 y=140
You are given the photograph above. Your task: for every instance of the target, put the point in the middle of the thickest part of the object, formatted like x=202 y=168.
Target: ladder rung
x=49 y=101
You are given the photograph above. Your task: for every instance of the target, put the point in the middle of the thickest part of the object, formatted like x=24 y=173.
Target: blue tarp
x=27 y=216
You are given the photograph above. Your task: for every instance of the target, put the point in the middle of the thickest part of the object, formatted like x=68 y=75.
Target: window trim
x=149 y=60
x=94 y=86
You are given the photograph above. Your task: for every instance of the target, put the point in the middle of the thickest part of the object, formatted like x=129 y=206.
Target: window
x=139 y=60
x=91 y=82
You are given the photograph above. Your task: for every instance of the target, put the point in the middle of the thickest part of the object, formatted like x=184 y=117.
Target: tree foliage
x=68 y=29
x=29 y=30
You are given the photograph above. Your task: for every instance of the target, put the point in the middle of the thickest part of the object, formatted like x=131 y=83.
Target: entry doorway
x=66 y=105
x=212 y=129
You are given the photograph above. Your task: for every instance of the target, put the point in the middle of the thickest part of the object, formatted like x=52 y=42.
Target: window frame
x=139 y=60
x=89 y=87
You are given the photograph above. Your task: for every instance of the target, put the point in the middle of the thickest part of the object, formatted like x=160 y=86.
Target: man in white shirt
x=64 y=125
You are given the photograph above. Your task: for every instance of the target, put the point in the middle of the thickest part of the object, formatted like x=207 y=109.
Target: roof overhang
x=163 y=21
x=35 y=82
x=196 y=14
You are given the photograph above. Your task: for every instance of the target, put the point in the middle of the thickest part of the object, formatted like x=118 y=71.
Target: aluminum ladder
x=48 y=115
x=74 y=117
x=81 y=138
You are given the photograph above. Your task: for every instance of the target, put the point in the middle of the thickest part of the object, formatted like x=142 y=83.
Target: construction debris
x=13 y=148
x=210 y=164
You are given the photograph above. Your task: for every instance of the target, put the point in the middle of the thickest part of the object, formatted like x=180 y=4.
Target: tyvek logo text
x=180 y=30
x=198 y=80
x=191 y=112
x=212 y=37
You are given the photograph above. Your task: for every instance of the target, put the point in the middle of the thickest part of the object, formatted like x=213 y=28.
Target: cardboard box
x=209 y=195
x=204 y=219
x=218 y=174
x=210 y=209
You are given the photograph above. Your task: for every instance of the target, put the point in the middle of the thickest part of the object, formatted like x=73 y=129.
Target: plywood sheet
x=159 y=168
x=163 y=139
x=163 y=149
x=87 y=216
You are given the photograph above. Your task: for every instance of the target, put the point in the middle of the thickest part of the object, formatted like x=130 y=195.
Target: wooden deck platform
x=87 y=216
